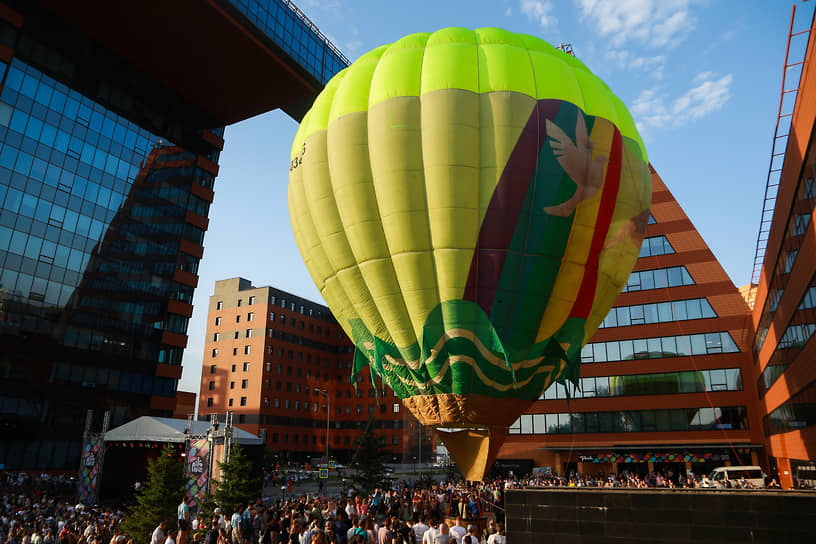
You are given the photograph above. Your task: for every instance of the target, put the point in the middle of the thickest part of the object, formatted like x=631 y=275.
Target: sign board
x=324 y=473
x=324 y=460
x=331 y=464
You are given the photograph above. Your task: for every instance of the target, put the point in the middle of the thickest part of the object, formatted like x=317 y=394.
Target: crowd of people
x=43 y=510
x=634 y=481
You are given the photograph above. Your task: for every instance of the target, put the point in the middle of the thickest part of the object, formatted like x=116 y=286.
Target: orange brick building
x=784 y=315
x=272 y=357
x=665 y=383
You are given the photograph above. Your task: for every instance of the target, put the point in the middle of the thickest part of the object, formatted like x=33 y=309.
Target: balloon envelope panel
x=469 y=204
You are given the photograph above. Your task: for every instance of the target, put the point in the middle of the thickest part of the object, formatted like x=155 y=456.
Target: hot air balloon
x=469 y=204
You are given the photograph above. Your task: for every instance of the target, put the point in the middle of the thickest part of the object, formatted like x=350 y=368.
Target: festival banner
x=196 y=471
x=89 y=473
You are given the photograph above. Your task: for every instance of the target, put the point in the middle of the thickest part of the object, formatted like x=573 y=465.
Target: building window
x=235 y=351
x=297 y=405
x=209 y=402
x=244 y=384
x=664 y=383
x=247 y=350
x=287 y=404
x=212 y=369
x=394 y=440
x=272 y=299
x=283 y=303
x=238 y=318
x=246 y=367
x=656 y=245
x=294 y=322
x=301 y=309
x=251 y=300
x=658 y=278
x=219 y=305
x=232 y=385
x=271 y=316
x=215 y=352
x=278 y=386
x=276 y=402
x=660 y=347
x=212 y=386
x=233 y=367
x=251 y=316
x=243 y=401
x=230 y=402
x=239 y=302
x=266 y=401
x=634 y=421
x=659 y=312
x=288 y=387
x=283 y=319
x=237 y=335
x=396 y=407
x=217 y=321
x=216 y=337
x=249 y=333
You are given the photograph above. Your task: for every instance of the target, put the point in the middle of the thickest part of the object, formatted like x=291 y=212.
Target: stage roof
x=166 y=429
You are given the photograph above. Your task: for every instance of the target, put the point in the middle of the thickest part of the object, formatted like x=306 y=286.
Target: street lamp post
x=325 y=392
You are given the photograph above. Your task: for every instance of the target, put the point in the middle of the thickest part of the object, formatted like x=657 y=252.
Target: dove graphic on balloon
x=469 y=204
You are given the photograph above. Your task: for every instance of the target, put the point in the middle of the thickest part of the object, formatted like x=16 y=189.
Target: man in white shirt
x=159 y=534
x=419 y=530
x=430 y=535
x=458 y=531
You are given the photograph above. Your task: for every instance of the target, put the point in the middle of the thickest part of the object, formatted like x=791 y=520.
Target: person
x=159 y=534
x=471 y=532
x=430 y=534
x=498 y=536
x=444 y=536
x=420 y=528
x=458 y=531
x=212 y=534
x=183 y=519
x=171 y=537
x=385 y=535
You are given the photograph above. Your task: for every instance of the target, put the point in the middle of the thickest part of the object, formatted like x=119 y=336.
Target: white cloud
x=508 y=12
x=709 y=94
x=660 y=23
x=539 y=11
x=625 y=59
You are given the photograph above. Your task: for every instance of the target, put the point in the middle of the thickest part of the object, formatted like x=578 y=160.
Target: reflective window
x=798 y=332
x=660 y=312
x=291 y=30
x=659 y=347
x=798 y=221
x=658 y=278
x=664 y=383
x=797 y=413
x=655 y=245
x=634 y=421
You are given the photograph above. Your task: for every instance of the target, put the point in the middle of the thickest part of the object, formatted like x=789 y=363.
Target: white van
x=728 y=476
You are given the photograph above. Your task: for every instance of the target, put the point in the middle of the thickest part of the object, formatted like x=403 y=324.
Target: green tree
x=158 y=498
x=238 y=484
x=368 y=463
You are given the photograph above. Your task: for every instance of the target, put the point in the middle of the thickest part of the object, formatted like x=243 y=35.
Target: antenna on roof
x=566 y=48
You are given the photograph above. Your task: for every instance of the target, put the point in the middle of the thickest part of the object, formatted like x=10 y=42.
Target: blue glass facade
x=293 y=32
x=101 y=231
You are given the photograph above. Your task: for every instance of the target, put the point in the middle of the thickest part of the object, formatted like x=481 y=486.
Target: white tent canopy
x=166 y=429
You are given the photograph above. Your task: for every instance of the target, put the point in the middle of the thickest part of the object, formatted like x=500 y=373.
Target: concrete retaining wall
x=566 y=516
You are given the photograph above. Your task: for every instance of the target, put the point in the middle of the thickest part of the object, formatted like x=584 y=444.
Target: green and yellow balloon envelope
x=469 y=203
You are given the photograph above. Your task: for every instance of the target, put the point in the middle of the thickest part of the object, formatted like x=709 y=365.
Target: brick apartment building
x=282 y=364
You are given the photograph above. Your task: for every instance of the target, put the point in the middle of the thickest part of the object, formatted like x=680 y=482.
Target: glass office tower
x=107 y=165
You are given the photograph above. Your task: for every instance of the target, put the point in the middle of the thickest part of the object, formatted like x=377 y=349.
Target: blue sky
x=701 y=77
